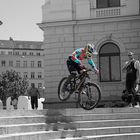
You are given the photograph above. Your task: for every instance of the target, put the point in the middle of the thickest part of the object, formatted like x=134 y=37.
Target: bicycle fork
x=80 y=85
x=88 y=91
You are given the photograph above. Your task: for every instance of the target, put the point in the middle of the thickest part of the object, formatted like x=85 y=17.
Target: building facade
x=112 y=25
x=25 y=57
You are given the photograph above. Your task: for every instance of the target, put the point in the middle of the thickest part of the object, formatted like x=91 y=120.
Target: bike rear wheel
x=90 y=96
x=63 y=95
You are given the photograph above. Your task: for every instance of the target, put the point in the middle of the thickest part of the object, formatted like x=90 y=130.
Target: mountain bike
x=89 y=93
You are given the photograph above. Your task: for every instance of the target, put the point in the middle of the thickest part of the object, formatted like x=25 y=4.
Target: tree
x=11 y=83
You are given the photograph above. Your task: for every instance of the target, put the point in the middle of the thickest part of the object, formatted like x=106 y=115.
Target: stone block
x=132 y=7
x=68 y=29
x=124 y=25
x=1 y=105
x=8 y=104
x=84 y=29
x=24 y=103
x=111 y=26
x=82 y=6
x=98 y=27
x=40 y=104
x=58 y=10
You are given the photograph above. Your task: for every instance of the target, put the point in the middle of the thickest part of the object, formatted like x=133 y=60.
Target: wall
x=64 y=36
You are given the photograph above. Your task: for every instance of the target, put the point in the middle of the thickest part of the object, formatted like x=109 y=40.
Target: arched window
x=109 y=63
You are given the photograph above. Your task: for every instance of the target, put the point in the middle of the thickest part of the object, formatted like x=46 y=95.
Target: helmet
x=90 y=50
x=130 y=53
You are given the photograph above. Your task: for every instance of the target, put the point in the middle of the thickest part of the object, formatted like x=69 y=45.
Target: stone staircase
x=70 y=124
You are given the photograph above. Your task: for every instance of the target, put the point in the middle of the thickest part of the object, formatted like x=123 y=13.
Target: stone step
x=20 y=112
x=5 y=113
x=20 y=128
x=100 y=131
x=59 y=135
x=40 y=135
x=96 y=123
x=66 y=119
x=62 y=118
x=99 y=124
x=94 y=111
x=88 y=117
x=125 y=136
x=22 y=119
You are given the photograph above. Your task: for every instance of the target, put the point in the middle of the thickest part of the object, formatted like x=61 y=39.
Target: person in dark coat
x=34 y=94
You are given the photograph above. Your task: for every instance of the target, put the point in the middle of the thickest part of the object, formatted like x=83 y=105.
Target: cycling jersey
x=78 y=55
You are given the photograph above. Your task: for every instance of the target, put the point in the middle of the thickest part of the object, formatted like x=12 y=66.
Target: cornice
x=88 y=21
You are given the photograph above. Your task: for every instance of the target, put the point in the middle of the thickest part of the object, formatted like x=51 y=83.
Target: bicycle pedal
x=83 y=92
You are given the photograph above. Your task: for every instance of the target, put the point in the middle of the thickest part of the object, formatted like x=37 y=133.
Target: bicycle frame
x=84 y=88
x=82 y=79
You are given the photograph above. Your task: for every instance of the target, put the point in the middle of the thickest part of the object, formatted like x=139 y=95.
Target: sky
x=20 y=18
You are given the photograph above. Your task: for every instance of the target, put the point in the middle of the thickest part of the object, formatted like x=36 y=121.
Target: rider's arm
x=90 y=61
x=75 y=59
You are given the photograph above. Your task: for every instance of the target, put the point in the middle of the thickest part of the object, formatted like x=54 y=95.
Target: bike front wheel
x=63 y=95
x=89 y=96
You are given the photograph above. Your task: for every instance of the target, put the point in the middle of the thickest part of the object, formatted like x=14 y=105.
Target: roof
x=12 y=44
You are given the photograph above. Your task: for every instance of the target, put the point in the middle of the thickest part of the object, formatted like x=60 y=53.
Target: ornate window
x=10 y=53
x=31 y=53
x=10 y=63
x=24 y=53
x=16 y=53
x=18 y=64
x=39 y=85
x=39 y=75
x=25 y=64
x=3 y=63
x=38 y=54
x=109 y=63
x=39 y=63
x=32 y=64
x=25 y=75
x=107 y=3
x=32 y=75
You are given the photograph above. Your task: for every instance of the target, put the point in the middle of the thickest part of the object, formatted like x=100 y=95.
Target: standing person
x=34 y=94
x=14 y=100
x=74 y=62
x=132 y=68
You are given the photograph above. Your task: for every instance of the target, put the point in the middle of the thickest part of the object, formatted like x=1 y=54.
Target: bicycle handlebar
x=86 y=70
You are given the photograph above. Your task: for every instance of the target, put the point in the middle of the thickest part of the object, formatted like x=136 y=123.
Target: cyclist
x=74 y=62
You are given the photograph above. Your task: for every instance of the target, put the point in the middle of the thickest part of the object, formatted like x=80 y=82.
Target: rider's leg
x=136 y=98
x=70 y=77
x=72 y=72
x=80 y=69
x=128 y=91
x=133 y=92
